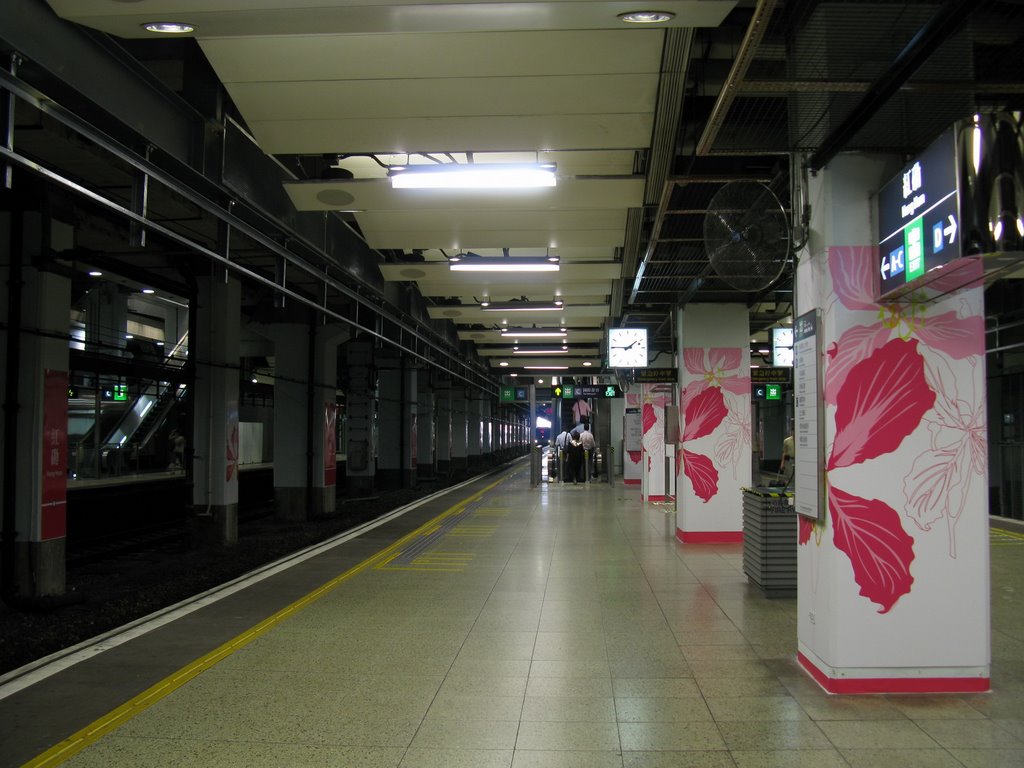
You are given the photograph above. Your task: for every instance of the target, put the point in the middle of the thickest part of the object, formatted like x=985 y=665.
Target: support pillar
x=475 y=430
x=893 y=572
x=215 y=424
x=305 y=419
x=714 y=423
x=426 y=428
x=398 y=422
x=460 y=431
x=34 y=307
x=106 y=319
x=443 y=424
x=361 y=393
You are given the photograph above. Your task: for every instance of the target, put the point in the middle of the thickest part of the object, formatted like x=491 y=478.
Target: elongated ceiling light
x=462 y=263
x=534 y=333
x=474 y=176
x=562 y=351
x=524 y=306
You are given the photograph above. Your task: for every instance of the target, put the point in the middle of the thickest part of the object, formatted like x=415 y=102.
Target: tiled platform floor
x=562 y=626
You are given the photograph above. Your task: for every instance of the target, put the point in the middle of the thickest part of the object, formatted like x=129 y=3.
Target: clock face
x=783 y=356
x=782 y=337
x=627 y=347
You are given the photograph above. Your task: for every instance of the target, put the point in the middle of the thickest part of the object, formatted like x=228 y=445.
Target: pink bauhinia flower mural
x=882 y=401
x=708 y=405
x=886 y=379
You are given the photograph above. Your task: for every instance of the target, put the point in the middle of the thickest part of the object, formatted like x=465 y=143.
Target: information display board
x=918 y=218
x=633 y=430
x=809 y=412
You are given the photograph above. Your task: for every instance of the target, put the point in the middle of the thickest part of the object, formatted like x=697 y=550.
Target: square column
x=893 y=575
x=215 y=424
x=460 y=431
x=713 y=457
x=398 y=421
x=443 y=424
x=475 y=430
x=426 y=429
x=361 y=406
x=305 y=419
x=34 y=391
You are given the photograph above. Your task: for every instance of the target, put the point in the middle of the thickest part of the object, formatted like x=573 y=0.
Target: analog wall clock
x=627 y=347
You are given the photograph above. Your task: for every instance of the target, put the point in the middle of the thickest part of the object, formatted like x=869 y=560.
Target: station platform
x=498 y=624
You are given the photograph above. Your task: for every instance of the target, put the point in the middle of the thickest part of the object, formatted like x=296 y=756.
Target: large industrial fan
x=746 y=234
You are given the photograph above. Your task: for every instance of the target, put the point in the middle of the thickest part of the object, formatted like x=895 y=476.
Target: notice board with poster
x=809 y=412
x=633 y=434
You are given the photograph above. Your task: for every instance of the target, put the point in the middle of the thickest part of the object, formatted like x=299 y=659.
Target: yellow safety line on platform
x=1000 y=536
x=96 y=730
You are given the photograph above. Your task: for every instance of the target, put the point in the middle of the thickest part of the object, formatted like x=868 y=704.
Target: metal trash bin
x=770 y=541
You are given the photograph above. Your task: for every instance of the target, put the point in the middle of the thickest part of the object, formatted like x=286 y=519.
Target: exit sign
x=773 y=392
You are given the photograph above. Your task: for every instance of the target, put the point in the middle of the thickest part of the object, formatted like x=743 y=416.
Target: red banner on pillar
x=330 y=444
x=53 y=510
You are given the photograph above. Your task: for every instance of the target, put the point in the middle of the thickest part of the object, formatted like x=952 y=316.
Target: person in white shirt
x=590 y=446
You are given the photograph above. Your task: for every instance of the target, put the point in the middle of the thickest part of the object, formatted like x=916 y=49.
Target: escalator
x=131 y=434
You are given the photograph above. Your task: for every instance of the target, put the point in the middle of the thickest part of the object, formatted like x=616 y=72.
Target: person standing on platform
x=589 y=445
x=788 y=454
x=580 y=412
x=573 y=458
x=560 y=445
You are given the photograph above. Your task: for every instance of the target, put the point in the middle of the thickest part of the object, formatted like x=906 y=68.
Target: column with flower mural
x=713 y=458
x=215 y=416
x=893 y=589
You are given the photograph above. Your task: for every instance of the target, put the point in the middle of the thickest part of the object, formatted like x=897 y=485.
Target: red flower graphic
x=880 y=551
x=703 y=413
x=232 y=453
x=702 y=473
x=882 y=400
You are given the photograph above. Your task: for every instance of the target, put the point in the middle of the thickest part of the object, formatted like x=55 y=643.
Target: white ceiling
x=386 y=83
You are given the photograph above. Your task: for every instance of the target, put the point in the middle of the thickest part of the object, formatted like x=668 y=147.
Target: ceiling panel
x=454 y=134
x=232 y=18
x=448 y=97
x=377 y=195
x=390 y=57
x=460 y=236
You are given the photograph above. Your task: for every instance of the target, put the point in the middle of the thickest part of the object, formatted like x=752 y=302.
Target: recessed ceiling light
x=587 y=363
x=503 y=364
x=169 y=27
x=647 y=17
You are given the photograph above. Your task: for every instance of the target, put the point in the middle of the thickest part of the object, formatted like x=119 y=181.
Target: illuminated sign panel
x=918 y=218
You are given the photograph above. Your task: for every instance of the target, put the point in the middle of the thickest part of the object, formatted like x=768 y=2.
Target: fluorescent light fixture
x=545 y=367
x=647 y=17
x=95 y=273
x=503 y=363
x=533 y=333
x=524 y=306
x=148 y=291
x=501 y=264
x=587 y=363
x=561 y=351
x=169 y=27
x=474 y=176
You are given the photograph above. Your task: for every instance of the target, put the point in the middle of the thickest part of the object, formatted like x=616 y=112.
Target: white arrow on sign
x=950 y=230
x=885 y=267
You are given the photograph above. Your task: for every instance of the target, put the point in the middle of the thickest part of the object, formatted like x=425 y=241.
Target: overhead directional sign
x=918 y=218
